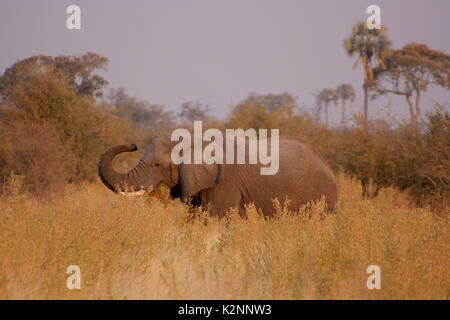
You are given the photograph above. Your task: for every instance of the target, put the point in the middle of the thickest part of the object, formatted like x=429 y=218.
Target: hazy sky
x=169 y=51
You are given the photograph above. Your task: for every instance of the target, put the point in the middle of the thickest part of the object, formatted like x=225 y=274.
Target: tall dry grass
x=147 y=248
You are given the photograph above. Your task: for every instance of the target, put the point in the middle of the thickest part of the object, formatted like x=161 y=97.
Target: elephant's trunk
x=130 y=183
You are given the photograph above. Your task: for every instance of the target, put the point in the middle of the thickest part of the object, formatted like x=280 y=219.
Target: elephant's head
x=156 y=167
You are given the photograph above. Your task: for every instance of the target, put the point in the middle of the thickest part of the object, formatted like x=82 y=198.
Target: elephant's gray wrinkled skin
x=302 y=177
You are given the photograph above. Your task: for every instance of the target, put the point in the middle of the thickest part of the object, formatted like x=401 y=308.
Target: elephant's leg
x=221 y=199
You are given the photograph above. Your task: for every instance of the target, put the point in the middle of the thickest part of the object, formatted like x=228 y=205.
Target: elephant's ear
x=197 y=177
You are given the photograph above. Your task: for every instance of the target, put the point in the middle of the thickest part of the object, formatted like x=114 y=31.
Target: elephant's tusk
x=136 y=193
x=133 y=194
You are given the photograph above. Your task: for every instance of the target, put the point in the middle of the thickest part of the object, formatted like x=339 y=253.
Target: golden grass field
x=148 y=248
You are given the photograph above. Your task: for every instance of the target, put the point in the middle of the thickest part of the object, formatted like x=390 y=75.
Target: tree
x=77 y=70
x=273 y=102
x=345 y=92
x=44 y=101
x=144 y=115
x=264 y=112
x=317 y=108
x=324 y=98
x=194 y=110
x=409 y=71
x=369 y=46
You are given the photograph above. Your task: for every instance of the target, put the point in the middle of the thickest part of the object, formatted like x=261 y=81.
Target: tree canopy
x=79 y=72
x=371 y=47
x=410 y=71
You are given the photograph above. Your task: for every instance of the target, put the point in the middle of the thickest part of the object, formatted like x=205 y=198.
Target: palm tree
x=345 y=92
x=324 y=98
x=369 y=46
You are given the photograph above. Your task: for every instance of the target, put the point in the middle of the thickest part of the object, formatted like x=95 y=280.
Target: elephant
x=302 y=177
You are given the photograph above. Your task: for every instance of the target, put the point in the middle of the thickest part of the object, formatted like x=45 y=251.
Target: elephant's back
x=302 y=176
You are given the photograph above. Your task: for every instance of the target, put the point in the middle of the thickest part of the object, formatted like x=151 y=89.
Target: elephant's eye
x=157 y=164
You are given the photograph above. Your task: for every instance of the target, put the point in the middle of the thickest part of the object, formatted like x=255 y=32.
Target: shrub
x=411 y=158
x=44 y=107
x=34 y=151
